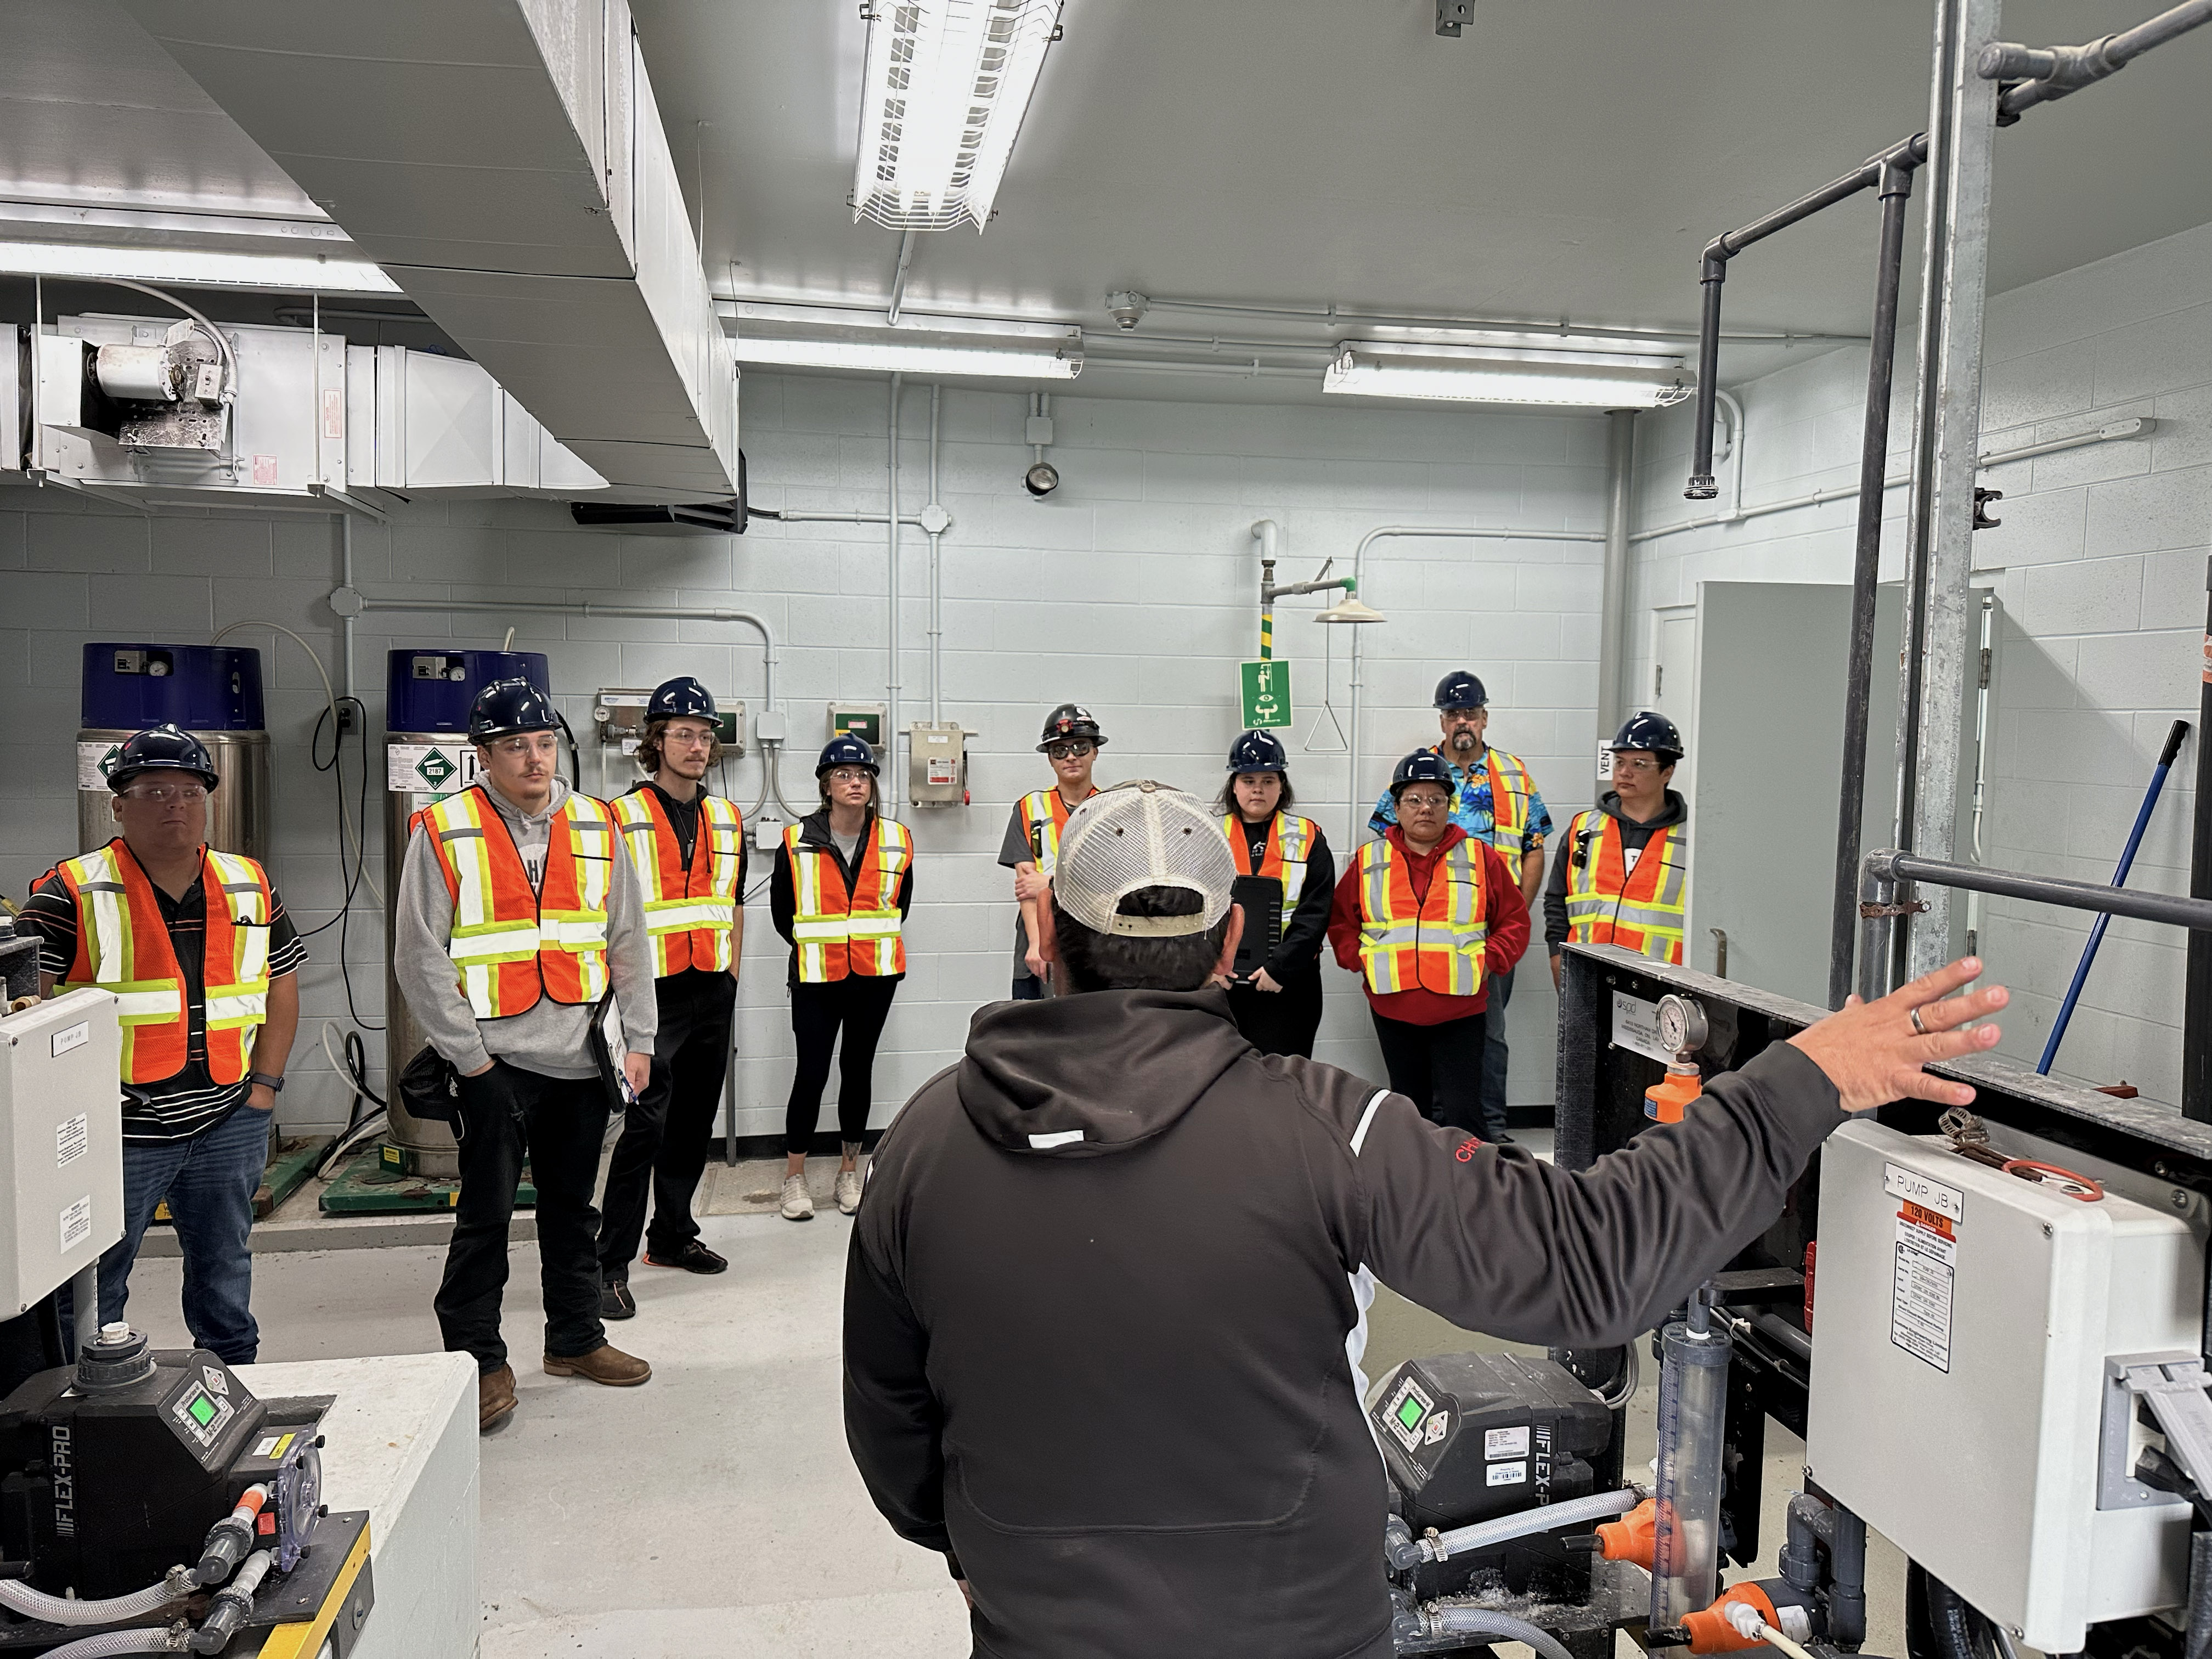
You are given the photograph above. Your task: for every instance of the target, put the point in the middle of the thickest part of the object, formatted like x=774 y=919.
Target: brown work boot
x=494 y=1396
x=604 y=1363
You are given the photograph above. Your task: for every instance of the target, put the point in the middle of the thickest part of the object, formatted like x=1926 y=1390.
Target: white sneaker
x=849 y=1191
x=798 y=1202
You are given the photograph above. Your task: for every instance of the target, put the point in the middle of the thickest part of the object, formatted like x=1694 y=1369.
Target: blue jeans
x=1494 y=1055
x=209 y=1181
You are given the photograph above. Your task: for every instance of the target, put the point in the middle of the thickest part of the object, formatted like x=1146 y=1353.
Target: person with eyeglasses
x=1286 y=883
x=1624 y=875
x=204 y=961
x=1427 y=916
x=843 y=886
x=519 y=916
x=1495 y=799
x=1071 y=740
x=688 y=846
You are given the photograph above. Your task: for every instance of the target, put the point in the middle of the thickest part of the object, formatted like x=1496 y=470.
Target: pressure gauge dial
x=1681 y=1025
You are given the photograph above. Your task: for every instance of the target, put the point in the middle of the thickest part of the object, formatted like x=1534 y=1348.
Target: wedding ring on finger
x=1918 y=1026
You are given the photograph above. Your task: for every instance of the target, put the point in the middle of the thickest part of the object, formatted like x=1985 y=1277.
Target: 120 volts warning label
x=1920 y=1294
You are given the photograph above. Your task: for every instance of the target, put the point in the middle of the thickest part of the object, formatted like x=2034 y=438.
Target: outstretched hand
x=1873 y=1051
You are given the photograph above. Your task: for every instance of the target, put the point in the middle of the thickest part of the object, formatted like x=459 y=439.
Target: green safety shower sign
x=1266 y=693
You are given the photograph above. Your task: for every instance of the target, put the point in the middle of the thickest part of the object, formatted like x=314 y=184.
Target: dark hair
x=1107 y=962
x=649 y=750
x=1225 y=802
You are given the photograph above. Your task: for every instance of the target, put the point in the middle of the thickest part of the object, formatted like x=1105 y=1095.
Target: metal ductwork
x=505 y=163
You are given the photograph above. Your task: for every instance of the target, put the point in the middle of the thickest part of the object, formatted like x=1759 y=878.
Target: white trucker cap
x=1136 y=836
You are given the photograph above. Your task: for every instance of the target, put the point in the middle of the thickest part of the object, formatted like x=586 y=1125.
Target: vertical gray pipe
x=888 y=793
x=2197 y=983
x=1866 y=570
x=1620 y=501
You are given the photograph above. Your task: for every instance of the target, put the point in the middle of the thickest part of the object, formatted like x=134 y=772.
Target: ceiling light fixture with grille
x=1374 y=368
x=947 y=84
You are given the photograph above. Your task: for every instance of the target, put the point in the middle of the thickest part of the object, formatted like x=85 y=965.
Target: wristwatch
x=274 y=1084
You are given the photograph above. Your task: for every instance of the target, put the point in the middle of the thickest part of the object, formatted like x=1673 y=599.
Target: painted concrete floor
x=715 y=1510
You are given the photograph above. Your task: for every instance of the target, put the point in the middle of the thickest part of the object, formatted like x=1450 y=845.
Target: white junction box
x=1964 y=1332
x=936 y=763
x=61 y=1138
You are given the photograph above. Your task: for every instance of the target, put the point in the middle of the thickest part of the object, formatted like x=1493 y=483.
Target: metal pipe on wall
x=2197 y=996
x=889 y=789
x=1866 y=571
x=1962 y=129
x=1356 y=816
x=936 y=576
x=1613 y=604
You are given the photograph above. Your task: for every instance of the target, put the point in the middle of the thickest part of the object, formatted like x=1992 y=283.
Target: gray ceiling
x=1564 y=158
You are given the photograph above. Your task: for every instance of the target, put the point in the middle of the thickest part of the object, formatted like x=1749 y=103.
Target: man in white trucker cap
x=1106 y=1296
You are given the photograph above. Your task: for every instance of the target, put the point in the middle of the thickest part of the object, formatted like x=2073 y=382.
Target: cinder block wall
x=1133 y=589
x=2100 y=567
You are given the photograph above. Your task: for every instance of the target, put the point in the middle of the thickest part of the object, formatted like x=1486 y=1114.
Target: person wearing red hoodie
x=1425 y=915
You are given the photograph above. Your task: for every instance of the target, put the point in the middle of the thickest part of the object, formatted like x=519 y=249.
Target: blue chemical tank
x=212 y=691
x=429 y=691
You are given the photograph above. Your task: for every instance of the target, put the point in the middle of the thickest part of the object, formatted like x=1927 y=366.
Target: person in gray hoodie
x=518 y=910
x=1121 y=1397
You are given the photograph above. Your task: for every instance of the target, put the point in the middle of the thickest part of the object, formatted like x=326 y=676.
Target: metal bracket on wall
x=1453 y=16
x=1875 y=912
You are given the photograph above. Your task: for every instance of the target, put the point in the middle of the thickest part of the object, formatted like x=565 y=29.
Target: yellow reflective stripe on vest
x=807 y=934
x=1044 y=840
x=1295 y=837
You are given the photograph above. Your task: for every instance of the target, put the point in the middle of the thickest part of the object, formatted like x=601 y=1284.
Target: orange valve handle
x=1710 y=1630
x=1632 y=1537
x=1665 y=1099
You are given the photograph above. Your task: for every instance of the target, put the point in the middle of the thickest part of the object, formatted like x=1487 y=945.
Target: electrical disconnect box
x=61 y=1142
x=936 y=763
x=1984 y=1351
x=864 y=721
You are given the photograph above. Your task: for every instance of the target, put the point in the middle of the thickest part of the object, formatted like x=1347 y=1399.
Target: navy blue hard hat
x=506 y=708
x=1258 y=752
x=845 y=749
x=161 y=749
x=1652 y=733
x=1069 y=722
x=1460 y=689
x=1422 y=766
x=681 y=698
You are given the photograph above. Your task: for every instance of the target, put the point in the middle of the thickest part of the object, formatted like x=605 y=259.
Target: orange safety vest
x=1289 y=846
x=1511 y=789
x=1644 y=910
x=1435 y=942
x=511 y=945
x=836 y=932
x=690 y=910
x=1046 y=812
x=123 y=945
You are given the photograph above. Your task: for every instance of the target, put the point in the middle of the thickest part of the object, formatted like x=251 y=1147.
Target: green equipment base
x=372 y=1183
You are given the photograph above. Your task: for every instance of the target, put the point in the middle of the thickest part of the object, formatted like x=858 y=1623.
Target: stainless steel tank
x=427 y=758
x=237 y=810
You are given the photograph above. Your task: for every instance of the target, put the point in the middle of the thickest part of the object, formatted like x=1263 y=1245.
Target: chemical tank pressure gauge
x=1681 y=1025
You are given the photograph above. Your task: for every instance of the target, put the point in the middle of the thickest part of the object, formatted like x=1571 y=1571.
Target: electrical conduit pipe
x=889 y=793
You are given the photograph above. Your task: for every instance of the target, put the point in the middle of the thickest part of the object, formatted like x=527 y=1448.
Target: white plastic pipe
x=1545 y=1517
x=1357 y=812
x=1727 y=400
x=65 y=1610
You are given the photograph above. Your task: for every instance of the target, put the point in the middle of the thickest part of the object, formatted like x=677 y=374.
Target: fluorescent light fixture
x=1372 y=369
x=947 y=84
x=286 y=273
x=897 y=354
